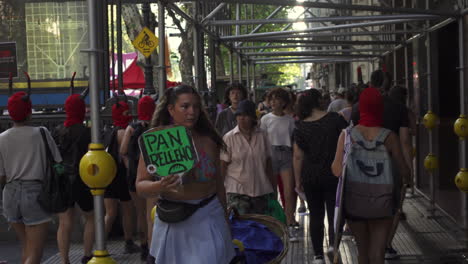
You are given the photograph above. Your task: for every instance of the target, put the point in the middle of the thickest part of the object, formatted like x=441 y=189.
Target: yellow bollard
x=430 y=120
x=461 y=180
x=97 y=170
x=461 y=127
x=431 y=162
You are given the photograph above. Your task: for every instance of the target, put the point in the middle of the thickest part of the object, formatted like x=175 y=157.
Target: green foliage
x=278 y=73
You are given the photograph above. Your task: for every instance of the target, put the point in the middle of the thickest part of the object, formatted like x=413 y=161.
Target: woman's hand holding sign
x=169 y=183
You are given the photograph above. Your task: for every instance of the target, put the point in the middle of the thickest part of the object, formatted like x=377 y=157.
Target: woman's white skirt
x=204 y=238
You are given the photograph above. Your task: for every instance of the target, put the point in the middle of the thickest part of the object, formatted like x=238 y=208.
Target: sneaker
x=144 y=252
x=301 y=209
x=131 y=247
x=296 y=225
x=391 y=253
x=292 y=234
x=86 y=259
x=318 y=260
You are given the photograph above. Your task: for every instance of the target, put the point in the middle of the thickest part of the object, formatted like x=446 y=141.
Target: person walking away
x=118 y=190
x=23 y=162
x=315 y=138
x=279 y=127
x=370 y=222
x=339 y=102
x=395 y=118
x=226 y=121
x=246 y=164
x=130 y=153
x=352 y=97
x=180 y=242
x=72 y=138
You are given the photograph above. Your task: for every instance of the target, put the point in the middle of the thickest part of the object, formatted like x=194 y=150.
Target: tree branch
x=176 y=21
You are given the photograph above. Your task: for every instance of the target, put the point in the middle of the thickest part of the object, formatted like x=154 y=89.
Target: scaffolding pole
x=331 y=5
x=316 y=19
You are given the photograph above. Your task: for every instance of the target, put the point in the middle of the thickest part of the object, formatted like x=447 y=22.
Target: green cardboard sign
x=168 y=150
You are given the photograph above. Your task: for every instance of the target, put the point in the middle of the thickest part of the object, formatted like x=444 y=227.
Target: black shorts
x=131 y=174
x=81 y=195
x=118 y=189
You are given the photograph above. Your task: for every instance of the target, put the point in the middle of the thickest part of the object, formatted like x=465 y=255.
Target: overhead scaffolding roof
x=335 y=43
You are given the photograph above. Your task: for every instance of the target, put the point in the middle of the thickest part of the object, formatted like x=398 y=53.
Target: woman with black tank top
x=315 y=138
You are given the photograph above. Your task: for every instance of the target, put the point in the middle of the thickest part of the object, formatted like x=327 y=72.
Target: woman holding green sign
x=203 y=233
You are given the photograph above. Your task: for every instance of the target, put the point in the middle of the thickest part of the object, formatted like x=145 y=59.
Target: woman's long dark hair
x=309 y=100
x=162 y=117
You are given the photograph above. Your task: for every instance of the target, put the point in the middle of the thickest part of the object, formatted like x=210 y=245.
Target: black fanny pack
x=173 y=212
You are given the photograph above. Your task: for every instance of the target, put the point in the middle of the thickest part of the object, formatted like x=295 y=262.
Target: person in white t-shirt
x=279 y=127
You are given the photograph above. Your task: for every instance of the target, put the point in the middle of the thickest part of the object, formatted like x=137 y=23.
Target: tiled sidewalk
x=419 y=239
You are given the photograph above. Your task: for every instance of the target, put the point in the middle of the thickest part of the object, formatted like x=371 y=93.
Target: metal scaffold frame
x=334 y=46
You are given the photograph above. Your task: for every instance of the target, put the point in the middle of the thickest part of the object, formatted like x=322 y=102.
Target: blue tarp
x=261 y=245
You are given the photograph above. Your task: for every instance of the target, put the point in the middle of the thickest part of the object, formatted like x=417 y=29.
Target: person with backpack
x=118 y=190
x=23 y=165
x=73 y=138
x=315 y=138
x=395 y=118
x=130 y=152
x=370 y=196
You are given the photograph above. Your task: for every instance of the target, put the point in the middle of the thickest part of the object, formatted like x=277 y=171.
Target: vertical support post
x=105 y=44
x=239 y=59
x=407 y=79
x=231 y=67
x=212 y=48
x=254 y=86
x=239 y=67
x=247 y=75
x=119 y=45
x=395 y=77
x=162 y=48
x=198 y=48
x=213 y=91
x=430 y=107
x=94 y=53
x=149 y=87
x=462 y=143
x=112 y=46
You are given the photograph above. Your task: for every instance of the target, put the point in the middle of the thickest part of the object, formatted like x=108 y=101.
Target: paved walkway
x=420 y=239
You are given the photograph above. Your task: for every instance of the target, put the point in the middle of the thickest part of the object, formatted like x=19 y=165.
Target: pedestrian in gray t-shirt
x=226 y=121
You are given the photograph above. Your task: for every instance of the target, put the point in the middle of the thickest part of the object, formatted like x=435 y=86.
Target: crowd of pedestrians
x=287 y=144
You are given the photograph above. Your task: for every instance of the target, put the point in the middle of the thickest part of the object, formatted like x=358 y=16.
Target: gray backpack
x=368 y=192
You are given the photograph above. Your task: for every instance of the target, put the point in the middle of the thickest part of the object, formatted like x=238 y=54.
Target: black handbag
x=56 y=186
x=173 y=212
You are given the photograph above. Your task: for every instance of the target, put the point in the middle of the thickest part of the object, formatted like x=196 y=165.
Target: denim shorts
x=20 y=203
x=281 y=158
